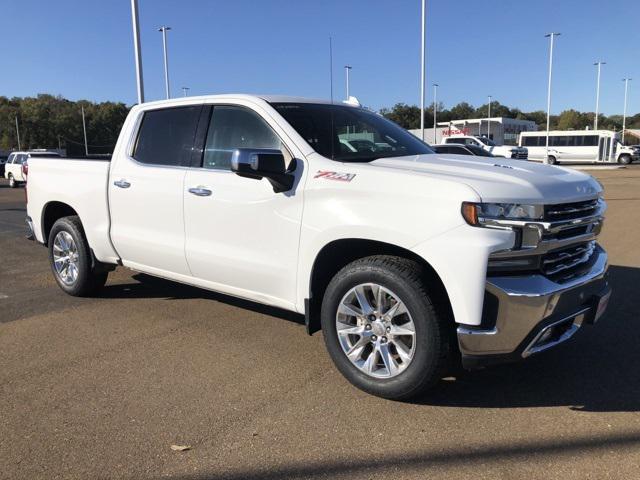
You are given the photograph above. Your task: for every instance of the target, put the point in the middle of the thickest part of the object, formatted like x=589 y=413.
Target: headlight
x=476 y=213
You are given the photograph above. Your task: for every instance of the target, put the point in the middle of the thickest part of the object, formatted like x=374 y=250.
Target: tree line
x=408 y=116
x=52 y=122
x=48 y=121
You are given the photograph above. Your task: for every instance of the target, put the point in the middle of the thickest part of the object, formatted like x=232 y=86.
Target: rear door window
x=166 y=136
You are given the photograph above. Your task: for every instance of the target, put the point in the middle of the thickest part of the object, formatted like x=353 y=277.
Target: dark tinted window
x=459 y=151
x=329 y=129
x=166 y=136
x=590 y=141
x=559 y=141
x=235 y=127
x=481 y=152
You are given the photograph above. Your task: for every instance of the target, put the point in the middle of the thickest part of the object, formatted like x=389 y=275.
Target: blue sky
x=83 y=49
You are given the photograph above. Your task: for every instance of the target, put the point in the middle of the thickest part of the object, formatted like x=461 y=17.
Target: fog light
x=545 y=336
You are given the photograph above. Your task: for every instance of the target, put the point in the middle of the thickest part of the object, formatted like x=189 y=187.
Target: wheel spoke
x=350 y=310
x=370 y=364
x=365 y=306
x=355 y=351
x=403 y=351
x=56 y=246
x=379 y=296
x=346 y=329
x=395 y=310
x=388 y=360
x=406 y=329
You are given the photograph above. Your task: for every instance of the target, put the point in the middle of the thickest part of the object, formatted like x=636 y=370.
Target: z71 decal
x=340 y=177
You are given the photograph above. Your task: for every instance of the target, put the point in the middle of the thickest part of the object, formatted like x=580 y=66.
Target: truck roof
x=244 y=96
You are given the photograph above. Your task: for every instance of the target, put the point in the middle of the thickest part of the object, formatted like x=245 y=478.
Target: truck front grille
x=570 y=211
x=564 y=259
x=565 y=242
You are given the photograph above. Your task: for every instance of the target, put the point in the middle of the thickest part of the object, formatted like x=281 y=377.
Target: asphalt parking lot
x=102 y=387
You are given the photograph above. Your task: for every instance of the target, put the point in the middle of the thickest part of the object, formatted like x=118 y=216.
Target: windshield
x=486 y=141
x=349 y=134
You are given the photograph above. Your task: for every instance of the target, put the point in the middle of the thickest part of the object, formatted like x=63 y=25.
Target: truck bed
x=79 y=183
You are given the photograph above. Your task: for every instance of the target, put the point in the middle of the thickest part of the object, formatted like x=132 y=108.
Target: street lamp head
x=600 y=63
x=552 y=34
x=436 y=85
x=164 y=28
x=348 y=67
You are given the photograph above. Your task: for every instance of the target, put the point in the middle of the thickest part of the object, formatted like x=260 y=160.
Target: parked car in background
x=582 y=146
x=462 y=149
x=14 y=171
x=3 y=161
x=410 y=262
x=507 y=151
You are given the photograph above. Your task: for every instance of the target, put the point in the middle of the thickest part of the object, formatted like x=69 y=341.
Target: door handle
x=200 y=191
x=122 y=183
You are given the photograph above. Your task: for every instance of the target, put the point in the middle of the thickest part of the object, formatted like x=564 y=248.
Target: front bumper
x=527 y=314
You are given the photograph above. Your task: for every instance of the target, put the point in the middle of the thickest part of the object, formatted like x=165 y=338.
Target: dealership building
x=502 y=130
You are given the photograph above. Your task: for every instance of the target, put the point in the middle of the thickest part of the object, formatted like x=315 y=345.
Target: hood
x=502 y=179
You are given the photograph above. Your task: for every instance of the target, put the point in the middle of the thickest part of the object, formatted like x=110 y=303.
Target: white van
x=596 y=146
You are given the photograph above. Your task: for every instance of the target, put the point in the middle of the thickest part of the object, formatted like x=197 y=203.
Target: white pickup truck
x=409 y=261
x=507 y=151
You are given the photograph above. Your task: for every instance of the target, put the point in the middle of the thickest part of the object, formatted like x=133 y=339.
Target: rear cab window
x=166 y=136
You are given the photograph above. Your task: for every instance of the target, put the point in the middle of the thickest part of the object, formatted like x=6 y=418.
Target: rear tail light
x=25 y=172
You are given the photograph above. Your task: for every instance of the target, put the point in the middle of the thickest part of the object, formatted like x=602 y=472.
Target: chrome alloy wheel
x=65 y=257
x=375 y=330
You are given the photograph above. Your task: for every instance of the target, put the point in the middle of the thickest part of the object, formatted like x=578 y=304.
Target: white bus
x=596 y=146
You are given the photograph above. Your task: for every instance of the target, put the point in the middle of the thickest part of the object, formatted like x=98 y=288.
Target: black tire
x=12 y=182
x=551 y=160
x=89 y=280
x=624 y=159
x=432 y=328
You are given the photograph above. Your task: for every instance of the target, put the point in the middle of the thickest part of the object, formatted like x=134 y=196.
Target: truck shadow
x=148 y=286
x=597 y=371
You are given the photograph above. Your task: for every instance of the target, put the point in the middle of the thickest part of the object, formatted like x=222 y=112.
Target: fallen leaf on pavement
x=180 y=448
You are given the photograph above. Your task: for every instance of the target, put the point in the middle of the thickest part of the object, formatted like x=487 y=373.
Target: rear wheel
x=71 y=260
x=624 y=159
x=382 y=330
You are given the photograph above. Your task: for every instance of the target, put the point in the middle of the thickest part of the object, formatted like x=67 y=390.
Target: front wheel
x=624 y=159
x=551 y=160
x=71 y=261
x=382 y=330
x=12 y=182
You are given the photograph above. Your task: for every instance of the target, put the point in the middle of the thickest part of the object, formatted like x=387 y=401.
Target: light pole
x=624 y=114
x=164 y=29
x=185 y=91
x=435 y=109
x=489 y=119
x=422 y=66
x=599 y=65
x=84 y=130
x=18 y=133
x=551 y=37
x=346 y=72
x=136 y=49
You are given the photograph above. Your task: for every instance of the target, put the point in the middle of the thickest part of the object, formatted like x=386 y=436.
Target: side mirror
x=262 y=163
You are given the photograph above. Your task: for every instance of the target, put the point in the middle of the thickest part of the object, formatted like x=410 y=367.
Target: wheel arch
x=51 y=213
x=339 y=253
